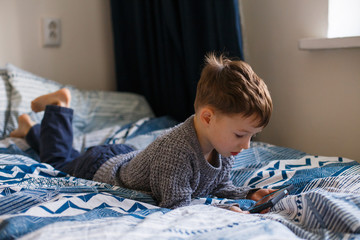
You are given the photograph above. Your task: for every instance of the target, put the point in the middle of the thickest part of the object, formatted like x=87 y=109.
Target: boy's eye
x=239 y=136
x=242 y=136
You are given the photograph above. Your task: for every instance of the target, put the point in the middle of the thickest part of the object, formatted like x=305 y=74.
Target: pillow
x=25 y=87
x=5 y=92
x=94 y=110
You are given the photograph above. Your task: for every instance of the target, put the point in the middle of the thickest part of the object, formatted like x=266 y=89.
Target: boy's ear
x=206 y=114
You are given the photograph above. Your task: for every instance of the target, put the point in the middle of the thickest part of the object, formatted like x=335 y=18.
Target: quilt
x=39 y=202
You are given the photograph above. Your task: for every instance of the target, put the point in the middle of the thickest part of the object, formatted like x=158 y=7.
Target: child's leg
x=86 y=165
x=60 y=98
x=24 y=125
x=53 y=138
x=56 y=137
x=29 y=130
x=33 y=138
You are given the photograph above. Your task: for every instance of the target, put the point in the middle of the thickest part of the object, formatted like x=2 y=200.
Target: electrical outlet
x=51 y=32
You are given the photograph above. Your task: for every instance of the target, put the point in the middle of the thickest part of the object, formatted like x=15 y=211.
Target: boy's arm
x=170 y=182
x=226 y=188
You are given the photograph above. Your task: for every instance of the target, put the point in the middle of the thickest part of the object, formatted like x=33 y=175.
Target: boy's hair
x=232 y=87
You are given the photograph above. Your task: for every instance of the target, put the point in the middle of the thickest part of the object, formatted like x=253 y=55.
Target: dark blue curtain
x=160 y=47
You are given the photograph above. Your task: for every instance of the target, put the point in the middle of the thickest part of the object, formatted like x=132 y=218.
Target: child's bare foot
x=25 y=124
x=61 y=98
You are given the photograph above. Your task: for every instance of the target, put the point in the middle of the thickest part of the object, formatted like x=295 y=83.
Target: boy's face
x=230 y=134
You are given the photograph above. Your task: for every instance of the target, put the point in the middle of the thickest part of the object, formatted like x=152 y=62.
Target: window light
x=344 y=18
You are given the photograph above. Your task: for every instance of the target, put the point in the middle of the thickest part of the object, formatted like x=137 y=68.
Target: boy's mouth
x=234 y=153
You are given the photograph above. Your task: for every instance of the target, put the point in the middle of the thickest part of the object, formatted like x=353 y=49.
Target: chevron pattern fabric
x=39 y=202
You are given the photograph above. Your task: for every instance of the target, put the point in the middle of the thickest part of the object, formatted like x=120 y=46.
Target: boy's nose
x=246 y=144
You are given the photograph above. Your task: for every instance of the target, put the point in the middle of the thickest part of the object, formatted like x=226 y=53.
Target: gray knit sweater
x=173 y=169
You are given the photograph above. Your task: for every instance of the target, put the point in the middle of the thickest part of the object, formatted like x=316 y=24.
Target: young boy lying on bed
x=191 y=160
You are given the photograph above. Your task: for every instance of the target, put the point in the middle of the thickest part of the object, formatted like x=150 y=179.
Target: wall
x=316 y=94
x=84 y=59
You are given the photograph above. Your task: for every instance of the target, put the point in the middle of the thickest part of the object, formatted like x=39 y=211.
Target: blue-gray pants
x=53 y=141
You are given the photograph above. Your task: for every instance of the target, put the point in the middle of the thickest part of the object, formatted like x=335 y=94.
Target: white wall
x=316 y=94
x=85 y=58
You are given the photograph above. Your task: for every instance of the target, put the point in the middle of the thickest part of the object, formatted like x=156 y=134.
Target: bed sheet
x=39 y=202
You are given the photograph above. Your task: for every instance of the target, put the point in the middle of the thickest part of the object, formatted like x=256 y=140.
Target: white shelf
x=329 y=43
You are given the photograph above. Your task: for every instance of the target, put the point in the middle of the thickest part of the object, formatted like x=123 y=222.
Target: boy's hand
x=237 y=209
x=259 y=194
x=256 y=196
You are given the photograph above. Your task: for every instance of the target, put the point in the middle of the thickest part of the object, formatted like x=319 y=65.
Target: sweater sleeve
x=170 y=181
x=226 y=188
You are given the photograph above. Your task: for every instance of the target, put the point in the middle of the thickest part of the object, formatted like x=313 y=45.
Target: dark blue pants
x=53 y=141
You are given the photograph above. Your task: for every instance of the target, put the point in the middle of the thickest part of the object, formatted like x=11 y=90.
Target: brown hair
x=232 y=87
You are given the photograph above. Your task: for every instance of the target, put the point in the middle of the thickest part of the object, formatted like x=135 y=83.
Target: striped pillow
x=5 y=93
x=94 y=110
x=25 y=87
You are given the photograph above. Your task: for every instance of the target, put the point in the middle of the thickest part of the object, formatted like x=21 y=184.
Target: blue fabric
x=13 y=149
x=54 y=137
x=37 y=201
x=141 y=128
x=33 y=138
x=153 y=124
x=88 y=163
x=53 y=141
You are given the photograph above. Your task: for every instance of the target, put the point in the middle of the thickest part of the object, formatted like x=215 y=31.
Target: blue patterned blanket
x=39 y=202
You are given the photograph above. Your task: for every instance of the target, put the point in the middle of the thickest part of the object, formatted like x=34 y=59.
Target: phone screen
x=270 y=200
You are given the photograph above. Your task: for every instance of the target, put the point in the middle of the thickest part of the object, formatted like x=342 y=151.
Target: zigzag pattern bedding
x=39 y=202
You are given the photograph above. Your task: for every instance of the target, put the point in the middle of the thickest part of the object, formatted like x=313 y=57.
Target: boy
x=191 y=160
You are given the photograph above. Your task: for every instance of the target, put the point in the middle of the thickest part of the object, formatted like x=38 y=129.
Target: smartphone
x=265 y=202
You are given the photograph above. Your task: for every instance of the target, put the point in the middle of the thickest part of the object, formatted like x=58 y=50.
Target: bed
x=40 y=202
